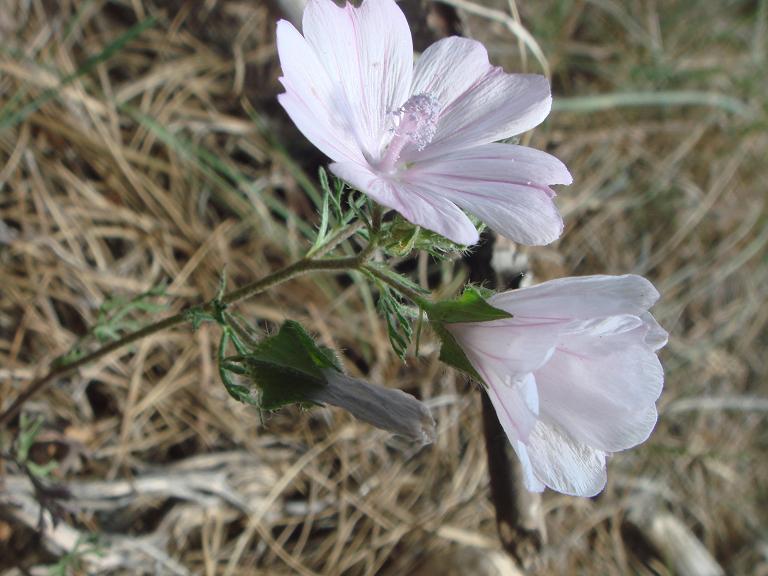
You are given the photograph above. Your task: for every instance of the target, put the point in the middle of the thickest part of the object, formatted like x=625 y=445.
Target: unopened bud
x=386 y=408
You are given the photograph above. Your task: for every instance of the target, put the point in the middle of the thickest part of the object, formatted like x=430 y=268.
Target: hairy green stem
x=315 y=264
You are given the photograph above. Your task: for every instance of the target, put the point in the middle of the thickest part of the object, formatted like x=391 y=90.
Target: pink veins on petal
x=420 y=138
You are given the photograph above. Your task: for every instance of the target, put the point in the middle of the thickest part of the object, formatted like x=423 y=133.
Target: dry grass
x=162 y=162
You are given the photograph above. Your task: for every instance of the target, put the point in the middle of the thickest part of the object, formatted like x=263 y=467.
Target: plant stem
x=296 y=269
x=316 y=264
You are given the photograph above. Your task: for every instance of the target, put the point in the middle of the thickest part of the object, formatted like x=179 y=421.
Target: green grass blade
x=601 y=102
x=10 y=118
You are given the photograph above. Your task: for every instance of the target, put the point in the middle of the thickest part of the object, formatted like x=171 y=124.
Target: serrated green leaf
x=113 y=319
x=398 y=316
x=399 y=328
x=323 y=177
x=338 y=190
x=356 y=203
x=399 y=279
x=322 y=232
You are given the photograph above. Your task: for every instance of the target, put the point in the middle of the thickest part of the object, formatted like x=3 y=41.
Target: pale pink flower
x=573 y=374
x=419 y=139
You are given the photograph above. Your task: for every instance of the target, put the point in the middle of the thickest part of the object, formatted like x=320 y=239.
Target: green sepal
x=400 y=237
x=238 y=391
x=288 y=366
x=452 y=354
x=471 y=306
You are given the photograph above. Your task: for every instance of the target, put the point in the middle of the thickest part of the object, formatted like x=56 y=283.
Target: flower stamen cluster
x=416 y=123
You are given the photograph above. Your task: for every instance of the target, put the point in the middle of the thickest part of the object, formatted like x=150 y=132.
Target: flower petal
x=504 y=185
x=606 y=400
x=603 y=336
x=521 y=210
x=508 y=162
x=630 y=374
x=656 y=337
x=367 y=53
x=415 y=204
x=529 y=478
x=516 y=406
x=479 y=103
x=311 y=100
x=504 y=348
x=580 y=298
x=450 y=67
x=563 y=463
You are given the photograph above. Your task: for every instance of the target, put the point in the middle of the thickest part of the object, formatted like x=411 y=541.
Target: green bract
x=400 y=238
x=471 y=306
x=288 y=366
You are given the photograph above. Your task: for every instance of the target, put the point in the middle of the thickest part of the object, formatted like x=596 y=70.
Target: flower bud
x=386 y=408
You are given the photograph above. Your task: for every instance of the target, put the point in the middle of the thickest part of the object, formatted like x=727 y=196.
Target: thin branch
x=298 y=268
